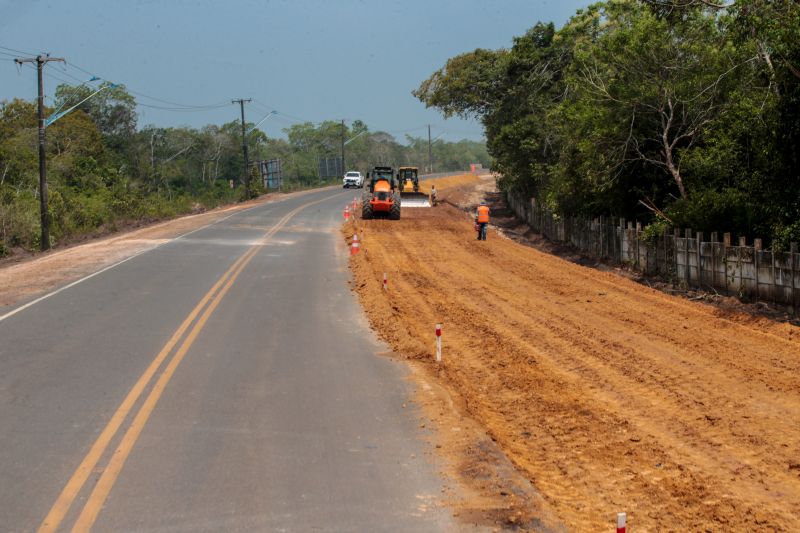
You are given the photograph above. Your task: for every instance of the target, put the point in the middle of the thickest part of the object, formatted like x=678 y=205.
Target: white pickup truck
x=353 y=179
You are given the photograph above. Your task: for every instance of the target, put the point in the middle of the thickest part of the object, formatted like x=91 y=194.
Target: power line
x=81 y=69
x=176 y=104
x=139 y=103
x=409 y=130
x=67 y=74
x=266 y=107
x=181 y=109
x=17 y=51
x=262 y=105
x=173 y=106
x=48 y=74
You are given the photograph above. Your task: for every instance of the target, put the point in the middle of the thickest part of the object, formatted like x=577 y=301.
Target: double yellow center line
x=204 y=309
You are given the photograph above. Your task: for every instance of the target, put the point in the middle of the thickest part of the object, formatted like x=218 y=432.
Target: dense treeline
x=104 y=171
x=681 y=112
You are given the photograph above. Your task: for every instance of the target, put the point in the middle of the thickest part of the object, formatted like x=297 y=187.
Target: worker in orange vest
x=482 y=220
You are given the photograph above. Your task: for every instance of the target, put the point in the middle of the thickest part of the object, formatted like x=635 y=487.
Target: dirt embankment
x=607 y=395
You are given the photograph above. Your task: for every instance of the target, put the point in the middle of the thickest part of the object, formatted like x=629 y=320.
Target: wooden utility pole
x=430 y=152
x=40 y=61
x=344 y=167
x=241 y=103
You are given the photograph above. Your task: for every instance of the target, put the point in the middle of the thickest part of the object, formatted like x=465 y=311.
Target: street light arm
x=179 y=153
x=52 y=118
x=271 y=113
x=93 y=78
x=351 y=139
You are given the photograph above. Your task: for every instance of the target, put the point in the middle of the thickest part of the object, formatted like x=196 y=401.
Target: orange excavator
x=381 y=196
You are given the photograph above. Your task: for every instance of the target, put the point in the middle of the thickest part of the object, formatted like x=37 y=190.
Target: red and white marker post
x=622 y=522
x=385 y=282
x=438 y=343
x=355 y=247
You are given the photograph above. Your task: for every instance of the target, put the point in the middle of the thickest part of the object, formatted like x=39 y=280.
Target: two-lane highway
x=225 y=381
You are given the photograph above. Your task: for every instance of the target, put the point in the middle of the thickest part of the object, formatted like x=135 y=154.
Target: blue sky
x=309 y=59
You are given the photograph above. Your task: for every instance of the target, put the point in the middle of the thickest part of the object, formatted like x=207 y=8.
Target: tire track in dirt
x=682 y=377
x=590 y=371
x=607 y=395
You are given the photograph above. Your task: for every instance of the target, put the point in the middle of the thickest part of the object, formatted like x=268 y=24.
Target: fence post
x=638 y=253
x=601 y=228
x=676 y=234
x=631 y=255
x=726 y=241
x=699 y=260
x=687 y=237
x=756 y=248
x=742 y=245
x=714 y=239
x=666 y=259
x=774 y=279
x=793 y=251
x=612 y=233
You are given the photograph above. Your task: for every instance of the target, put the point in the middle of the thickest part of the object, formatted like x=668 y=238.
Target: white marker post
x=385 y=282
x=438 y=343
x=622 y=522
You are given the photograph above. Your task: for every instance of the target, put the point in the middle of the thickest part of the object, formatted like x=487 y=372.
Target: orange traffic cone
x=355 y=246
x=347 y=213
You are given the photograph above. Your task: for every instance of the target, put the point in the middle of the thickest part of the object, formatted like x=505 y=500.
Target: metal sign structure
x=330 y=167
x=271 y=173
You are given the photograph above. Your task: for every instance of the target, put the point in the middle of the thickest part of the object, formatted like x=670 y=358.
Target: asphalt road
x=225 y=381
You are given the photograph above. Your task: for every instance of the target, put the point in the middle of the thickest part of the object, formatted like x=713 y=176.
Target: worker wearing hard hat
x=482 y=220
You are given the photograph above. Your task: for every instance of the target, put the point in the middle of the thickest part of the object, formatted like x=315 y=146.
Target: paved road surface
x=225 y=381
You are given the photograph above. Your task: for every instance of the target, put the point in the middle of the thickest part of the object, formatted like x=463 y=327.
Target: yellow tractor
x=408 y=183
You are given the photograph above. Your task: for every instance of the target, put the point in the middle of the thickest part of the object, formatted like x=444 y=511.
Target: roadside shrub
x=19 y=221
x=726 y=210
x=655 y=229
x=785 y=235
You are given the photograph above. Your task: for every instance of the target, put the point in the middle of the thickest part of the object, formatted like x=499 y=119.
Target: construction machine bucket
x=414 y=199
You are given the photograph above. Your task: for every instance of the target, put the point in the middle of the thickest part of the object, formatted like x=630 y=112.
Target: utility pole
x=241 y=102
x=40 y=61
x=430 y=153
x=344 y=168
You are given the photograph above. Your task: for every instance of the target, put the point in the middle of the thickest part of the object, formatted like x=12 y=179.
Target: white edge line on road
x=93 y=274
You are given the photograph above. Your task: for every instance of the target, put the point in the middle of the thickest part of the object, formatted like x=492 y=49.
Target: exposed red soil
x=607 y=395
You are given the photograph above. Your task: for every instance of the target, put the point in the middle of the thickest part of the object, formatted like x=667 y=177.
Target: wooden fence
x=682 y=256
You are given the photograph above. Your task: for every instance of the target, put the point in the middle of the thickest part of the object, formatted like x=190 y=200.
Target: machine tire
x=394 y=212
x=366 y=207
